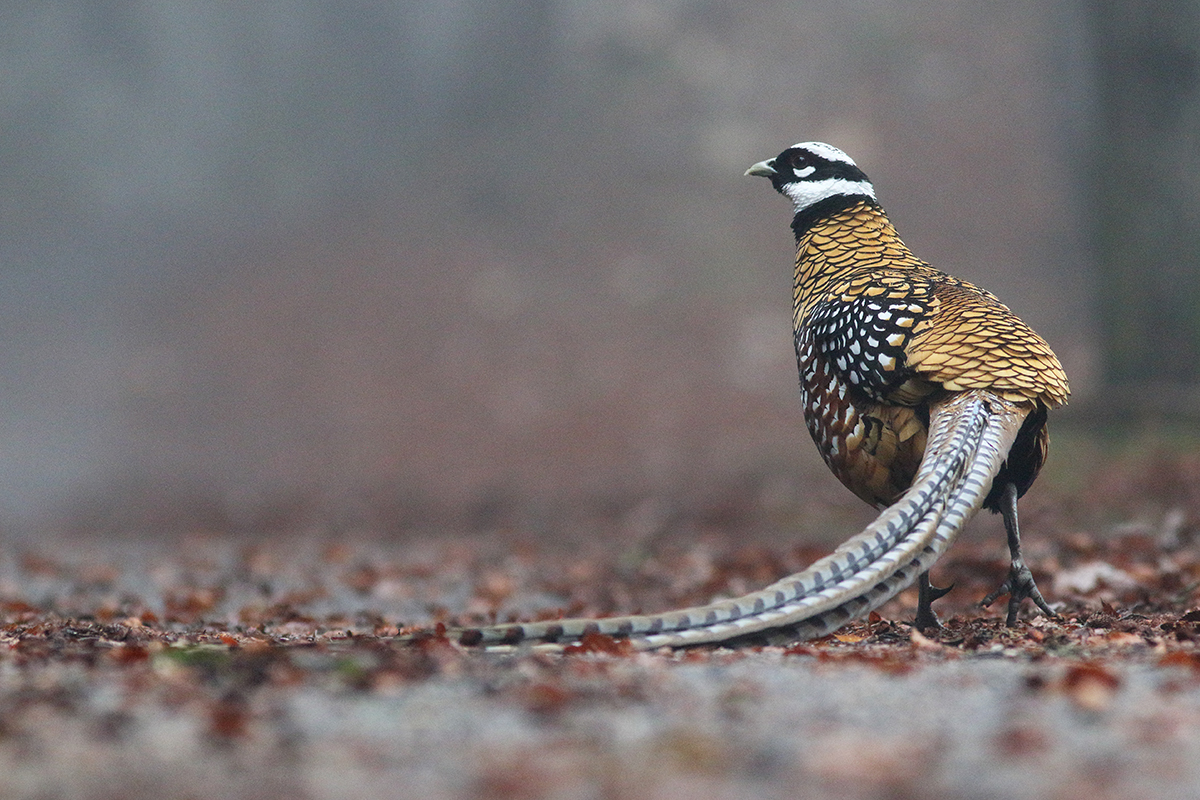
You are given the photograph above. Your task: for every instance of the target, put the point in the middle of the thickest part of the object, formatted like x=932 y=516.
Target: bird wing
x=973 y=341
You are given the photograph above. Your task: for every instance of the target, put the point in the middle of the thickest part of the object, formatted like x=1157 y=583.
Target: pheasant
x=926 y=397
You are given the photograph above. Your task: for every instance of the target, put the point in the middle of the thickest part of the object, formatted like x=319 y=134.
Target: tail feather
x=969 y=437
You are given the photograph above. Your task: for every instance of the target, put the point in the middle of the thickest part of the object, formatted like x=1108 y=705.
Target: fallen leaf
x=922 y=642
x=1179 y=658
x=593 y=642
x=1088 y=577
x=1090 y=686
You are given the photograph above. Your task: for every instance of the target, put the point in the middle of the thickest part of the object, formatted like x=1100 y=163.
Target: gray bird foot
x=1019 y=585
x=927 y=618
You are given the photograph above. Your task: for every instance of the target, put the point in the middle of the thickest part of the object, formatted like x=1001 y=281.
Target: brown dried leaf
x=922 y=642
x=545 y=697
x=592 y=642
x=1090 y=686
x=1180 y=658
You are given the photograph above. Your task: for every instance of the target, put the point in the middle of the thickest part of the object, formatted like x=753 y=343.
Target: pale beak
x=763 y=169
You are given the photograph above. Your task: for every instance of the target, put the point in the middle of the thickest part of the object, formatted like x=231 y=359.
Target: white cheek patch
x=806 y=193
x=804 y=173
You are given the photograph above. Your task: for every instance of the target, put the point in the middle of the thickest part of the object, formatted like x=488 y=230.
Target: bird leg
x=1019 y=584
x=927 y=618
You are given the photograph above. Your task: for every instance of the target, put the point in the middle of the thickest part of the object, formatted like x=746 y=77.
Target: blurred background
x=474 y=264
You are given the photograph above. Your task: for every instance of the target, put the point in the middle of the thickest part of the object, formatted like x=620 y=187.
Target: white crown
x=826 y=151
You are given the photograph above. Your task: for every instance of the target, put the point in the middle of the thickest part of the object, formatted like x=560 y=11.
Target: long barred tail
x=969 y=437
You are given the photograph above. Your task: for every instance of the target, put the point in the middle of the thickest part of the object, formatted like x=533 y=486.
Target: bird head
x=810 y=172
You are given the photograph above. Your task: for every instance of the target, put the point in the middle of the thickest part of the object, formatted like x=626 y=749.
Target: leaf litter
x=211 y=650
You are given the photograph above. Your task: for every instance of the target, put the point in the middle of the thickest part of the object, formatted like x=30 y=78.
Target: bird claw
x=1019 y=585
x=927 y=618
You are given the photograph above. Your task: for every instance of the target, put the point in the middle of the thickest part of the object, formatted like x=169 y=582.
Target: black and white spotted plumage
x=864 y=340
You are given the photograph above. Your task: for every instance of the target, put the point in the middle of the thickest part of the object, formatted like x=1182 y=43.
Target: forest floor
x=206 y=664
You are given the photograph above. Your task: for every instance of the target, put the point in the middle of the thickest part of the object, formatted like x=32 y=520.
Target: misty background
x=440 y=259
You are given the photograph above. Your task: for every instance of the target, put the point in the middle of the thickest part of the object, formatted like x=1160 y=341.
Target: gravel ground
x=208 y=666
x=331 y=721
